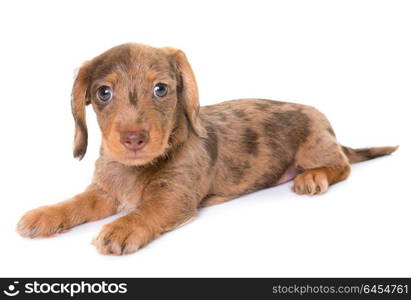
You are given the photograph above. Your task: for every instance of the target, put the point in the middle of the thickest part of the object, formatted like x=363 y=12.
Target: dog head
x=145 y=100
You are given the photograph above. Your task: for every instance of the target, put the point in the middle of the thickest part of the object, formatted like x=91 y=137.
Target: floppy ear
x=78 y=108
x=187 y=89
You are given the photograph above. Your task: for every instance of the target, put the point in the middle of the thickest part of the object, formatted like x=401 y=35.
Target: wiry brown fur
x=194 y=157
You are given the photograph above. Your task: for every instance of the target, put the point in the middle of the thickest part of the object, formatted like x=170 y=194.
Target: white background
x=350 y=59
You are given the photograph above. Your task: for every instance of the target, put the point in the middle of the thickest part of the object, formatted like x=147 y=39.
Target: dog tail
x=362 y=154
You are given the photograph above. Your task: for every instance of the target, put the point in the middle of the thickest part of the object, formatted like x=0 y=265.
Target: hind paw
x=311 y=182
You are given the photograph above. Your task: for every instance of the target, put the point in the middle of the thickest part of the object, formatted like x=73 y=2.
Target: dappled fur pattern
x=194 y=157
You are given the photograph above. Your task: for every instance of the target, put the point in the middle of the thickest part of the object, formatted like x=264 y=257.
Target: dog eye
x=160 y=90
x=104 y=93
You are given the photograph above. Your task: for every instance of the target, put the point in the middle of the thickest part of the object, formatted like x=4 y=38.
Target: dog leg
x=156 y=214
x=323 y=162
x=317 y=181
x=93 y=204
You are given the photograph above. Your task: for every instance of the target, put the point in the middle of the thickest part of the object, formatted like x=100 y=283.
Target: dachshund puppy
x=163 y=157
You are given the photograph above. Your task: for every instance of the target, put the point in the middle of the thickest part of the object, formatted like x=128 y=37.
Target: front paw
x=41 y=222
x=119 y=238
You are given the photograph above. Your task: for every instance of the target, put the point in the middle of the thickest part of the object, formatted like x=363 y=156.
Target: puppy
x=162 y=157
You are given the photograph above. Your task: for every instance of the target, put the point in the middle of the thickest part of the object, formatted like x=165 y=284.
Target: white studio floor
x=359 y=228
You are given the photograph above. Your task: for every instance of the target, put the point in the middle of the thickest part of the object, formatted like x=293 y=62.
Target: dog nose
x=134 y=140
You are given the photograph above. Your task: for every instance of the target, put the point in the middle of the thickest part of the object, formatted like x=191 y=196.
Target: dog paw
x=310 y=182
x=41 y=222
x=119 y=238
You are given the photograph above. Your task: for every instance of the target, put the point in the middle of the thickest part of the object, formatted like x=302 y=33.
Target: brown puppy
x=162 y=157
